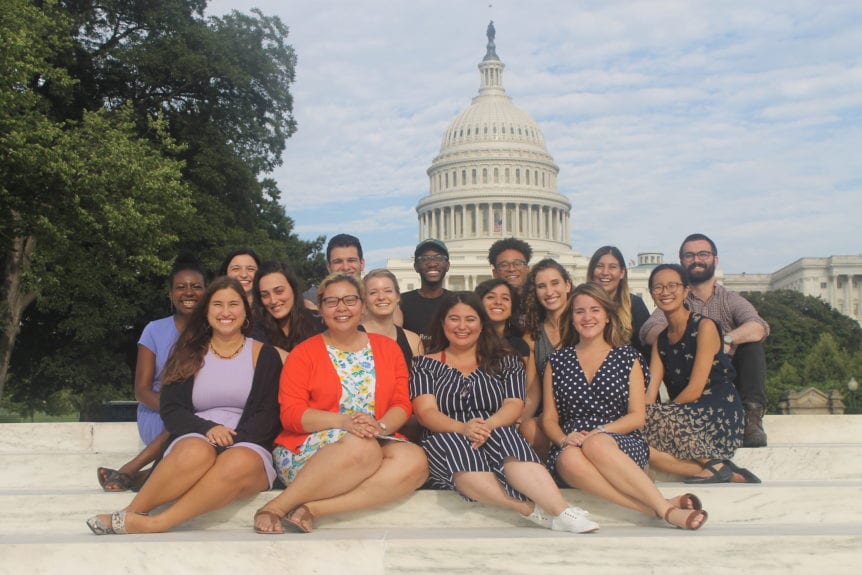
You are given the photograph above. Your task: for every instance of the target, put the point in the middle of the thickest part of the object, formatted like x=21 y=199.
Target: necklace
x=231 y=356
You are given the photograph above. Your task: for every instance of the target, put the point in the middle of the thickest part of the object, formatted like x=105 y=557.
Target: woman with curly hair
x=548 y=286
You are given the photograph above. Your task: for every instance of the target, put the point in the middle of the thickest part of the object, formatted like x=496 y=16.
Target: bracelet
x=602 y=429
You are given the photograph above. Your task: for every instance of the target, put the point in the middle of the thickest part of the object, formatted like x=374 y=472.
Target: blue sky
x=738 y=119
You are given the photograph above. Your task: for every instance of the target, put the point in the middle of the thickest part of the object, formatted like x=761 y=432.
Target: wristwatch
x=728 y=339
x=383 y=427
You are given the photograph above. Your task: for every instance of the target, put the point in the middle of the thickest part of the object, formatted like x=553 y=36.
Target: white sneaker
x=574 y=520
x=540 y=517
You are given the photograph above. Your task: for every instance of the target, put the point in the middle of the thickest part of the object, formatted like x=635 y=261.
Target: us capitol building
x=494 y=178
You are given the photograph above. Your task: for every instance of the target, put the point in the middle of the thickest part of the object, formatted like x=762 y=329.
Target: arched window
x=507 y=175
x=517 y=175
x=496 y=175
x=463 y=177
x=484 y=175
x=447 y=181
x=474 y=176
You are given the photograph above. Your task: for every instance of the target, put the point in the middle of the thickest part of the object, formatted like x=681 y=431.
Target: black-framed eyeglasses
x=701 y=255
x=348 y=300
x=516 y=264
x=440 y=259
x=671 y=287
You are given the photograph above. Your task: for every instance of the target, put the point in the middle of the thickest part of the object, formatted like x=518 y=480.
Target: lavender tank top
x=222 y=387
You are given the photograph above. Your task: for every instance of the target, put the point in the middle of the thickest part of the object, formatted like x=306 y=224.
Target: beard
x=699 y=273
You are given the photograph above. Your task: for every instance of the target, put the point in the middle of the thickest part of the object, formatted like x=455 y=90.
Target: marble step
x=801 y=462
x=123 y=437
x=779 y=550
x=819 y=503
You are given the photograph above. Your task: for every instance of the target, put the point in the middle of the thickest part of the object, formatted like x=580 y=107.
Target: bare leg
x=335 y=469
x=404 y=469
x=578 y=471
x=535 y=436
x=146 y=456
x=534 y=481
x=668 y=463
x=626 y=477
x=237 y=473
x=183 y=467
x=484 y=488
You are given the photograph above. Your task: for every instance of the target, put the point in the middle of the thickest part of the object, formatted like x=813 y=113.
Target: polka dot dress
x=583 y=406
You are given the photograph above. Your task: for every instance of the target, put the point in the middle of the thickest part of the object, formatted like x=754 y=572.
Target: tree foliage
x=810 y=343
x=129 y=130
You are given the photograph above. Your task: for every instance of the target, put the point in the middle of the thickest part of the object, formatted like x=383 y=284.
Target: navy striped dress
x=463 y=398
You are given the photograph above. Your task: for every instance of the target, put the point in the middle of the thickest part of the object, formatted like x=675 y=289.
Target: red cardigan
x=309 y=381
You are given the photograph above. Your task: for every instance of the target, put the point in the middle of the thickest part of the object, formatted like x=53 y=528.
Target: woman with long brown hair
x=219 y=404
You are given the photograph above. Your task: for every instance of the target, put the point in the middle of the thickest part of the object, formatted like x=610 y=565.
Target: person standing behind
x=343 y=256
x=743 y=328
x=608 y=269
x=431 y=262
x=510 y=261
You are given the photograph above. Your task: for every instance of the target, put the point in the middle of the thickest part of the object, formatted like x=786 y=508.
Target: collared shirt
x=726 y=307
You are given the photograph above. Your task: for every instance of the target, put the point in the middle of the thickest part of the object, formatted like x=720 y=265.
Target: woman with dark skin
x=186 y=286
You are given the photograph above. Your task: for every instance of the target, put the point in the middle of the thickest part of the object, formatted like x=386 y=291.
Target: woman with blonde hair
x=384 y=295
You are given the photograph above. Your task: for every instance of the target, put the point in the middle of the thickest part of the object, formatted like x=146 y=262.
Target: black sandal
x=747 y=476
x=721 y=474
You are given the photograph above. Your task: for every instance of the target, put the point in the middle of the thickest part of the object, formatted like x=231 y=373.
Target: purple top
x=222 y=387
x=159 y=337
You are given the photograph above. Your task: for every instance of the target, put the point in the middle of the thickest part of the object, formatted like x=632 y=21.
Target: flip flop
x=111 y=477
x=302 y=524
x=721 y=474
x=747 y=476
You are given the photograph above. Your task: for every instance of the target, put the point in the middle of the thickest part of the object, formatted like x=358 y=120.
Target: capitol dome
x=494 y=177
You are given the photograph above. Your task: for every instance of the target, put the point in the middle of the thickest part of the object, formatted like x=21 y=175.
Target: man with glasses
x=742 y=328
x=431 y=262
x=343 y=255
x=510 y=261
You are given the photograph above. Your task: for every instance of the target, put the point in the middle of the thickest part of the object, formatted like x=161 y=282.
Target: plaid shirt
x=726 y=307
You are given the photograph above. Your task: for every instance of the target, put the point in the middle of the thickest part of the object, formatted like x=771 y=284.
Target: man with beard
x=742 y=328
x=431 y=262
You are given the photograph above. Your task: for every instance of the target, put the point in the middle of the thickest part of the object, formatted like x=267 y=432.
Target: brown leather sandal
x=690 y=501
x=689 y=521
x=300 y=520
x=274 y=519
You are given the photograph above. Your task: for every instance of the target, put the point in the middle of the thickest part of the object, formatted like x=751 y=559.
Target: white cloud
x=739 y=119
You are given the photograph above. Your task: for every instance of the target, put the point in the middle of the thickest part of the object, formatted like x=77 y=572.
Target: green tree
x=810 y=343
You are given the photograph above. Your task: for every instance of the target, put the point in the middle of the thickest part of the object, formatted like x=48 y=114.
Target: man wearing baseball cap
x=431 y=262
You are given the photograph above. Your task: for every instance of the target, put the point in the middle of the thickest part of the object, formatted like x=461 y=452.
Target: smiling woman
x=241 y=265
x=343 y=395
x=281 y=314
x=218 y=403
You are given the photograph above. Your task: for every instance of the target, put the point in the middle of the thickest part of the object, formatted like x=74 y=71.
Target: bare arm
x=656 y=370
x=708 y=345
x=426 y=411
x=653 y=327
x=748 y=332
x=550 y=419
x=534 y=385
x=145 y=372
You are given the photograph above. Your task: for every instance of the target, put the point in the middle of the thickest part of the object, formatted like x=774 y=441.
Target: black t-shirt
x=419 y=312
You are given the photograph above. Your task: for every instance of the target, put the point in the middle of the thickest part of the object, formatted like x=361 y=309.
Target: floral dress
x=710 y=427
x=356 y=371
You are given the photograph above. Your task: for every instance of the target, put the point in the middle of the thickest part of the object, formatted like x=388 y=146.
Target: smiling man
x=431 y=262
x=510 y=261
x=742 y=329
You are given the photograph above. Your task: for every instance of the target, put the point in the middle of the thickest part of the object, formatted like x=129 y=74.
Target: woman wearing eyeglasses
x=696 y=434
x=343 y=394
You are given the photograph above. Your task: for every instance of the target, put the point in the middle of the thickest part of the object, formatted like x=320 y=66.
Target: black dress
x=583 y=406
x=710 y=427
x=463 y=398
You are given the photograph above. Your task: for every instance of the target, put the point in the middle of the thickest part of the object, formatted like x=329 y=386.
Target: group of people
x=353 y=395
